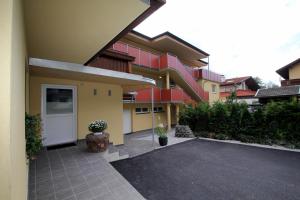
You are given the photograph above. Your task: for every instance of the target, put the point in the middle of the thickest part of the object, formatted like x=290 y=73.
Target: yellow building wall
x=207 y=85
x=13 y=162
x=144 y=121
x=294 y=72
x=90 y=107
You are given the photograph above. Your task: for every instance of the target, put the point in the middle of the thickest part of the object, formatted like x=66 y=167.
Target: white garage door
x=126 y=121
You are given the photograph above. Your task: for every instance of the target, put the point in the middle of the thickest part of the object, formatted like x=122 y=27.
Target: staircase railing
x=155 y=61
x=172 y=62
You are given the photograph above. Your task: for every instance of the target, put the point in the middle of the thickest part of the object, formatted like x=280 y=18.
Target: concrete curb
x=252 y=144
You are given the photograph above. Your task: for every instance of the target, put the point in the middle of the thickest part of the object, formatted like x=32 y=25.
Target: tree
x=271 y=84
x=259 y=82
x=232 y=97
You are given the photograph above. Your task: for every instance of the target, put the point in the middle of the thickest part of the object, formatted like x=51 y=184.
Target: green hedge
x=274 y=123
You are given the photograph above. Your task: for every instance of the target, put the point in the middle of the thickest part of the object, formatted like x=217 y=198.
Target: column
x=169 y=116
x=167 y=80
x=168 y=104
x=177 y=113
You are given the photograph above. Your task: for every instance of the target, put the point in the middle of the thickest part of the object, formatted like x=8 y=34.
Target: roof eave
x=154 y=5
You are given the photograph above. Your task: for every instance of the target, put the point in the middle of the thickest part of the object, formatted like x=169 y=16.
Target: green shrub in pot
x=161 y=132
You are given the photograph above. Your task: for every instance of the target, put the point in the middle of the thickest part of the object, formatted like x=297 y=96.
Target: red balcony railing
x=142 y=58
x=172 y=95
x=208 y=75
x=166 y=61
x=144 y=95
x=160 y=95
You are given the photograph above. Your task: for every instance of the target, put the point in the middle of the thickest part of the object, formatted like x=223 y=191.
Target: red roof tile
x=236 y=80
x=239 y=93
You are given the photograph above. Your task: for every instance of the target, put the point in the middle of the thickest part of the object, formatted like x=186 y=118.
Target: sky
x=243 y=37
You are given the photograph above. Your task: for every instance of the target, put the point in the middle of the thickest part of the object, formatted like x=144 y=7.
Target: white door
x=127 y=121
x=59 y=114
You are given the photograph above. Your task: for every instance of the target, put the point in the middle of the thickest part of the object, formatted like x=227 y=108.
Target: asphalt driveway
x=200 y=169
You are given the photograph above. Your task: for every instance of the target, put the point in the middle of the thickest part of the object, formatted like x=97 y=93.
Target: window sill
x=138 y=113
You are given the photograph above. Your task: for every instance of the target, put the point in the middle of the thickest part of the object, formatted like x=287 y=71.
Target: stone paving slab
x=72 y=173
x=141 y=142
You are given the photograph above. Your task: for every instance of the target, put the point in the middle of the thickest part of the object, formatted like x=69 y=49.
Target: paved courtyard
x=209 y=170
x=74 y=174
x=141 y=142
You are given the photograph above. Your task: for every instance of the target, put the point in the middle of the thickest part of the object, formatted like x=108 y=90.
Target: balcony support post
x=167 y=80
x=169 y=116
x=177 y=113
x=152 y=112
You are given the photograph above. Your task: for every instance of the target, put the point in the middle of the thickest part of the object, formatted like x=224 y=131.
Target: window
x=145 y=109
x=159 y=83
x=142 y=110
x=213 y=88
x=59 y=101
x=158 y=109
x=172 y=83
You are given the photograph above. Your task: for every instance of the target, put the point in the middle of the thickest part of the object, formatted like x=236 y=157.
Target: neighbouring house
x=244 y=87
x=45 y=46
x=210 y=82
x=290 y=86
x=171 y=62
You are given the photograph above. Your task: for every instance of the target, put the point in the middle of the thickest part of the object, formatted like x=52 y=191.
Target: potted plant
x=161 y=131
x=33 y=135
x=97 y=127
x=98 y=140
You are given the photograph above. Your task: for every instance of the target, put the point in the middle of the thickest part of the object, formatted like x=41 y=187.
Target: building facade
x=290 y=85
x=174 y=65
x=244 y=87
x=44 y=46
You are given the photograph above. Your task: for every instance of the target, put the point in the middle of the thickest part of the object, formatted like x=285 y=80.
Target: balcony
x=165 y=62
x=290 y=82
x=142 y=58
x=208 y=75
x=174 y=95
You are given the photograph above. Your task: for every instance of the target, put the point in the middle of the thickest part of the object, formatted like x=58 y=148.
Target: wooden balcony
x=290 y=82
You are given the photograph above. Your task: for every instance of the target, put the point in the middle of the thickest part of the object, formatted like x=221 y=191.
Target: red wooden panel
x=122 y=47
x=134 y=52
x=177 y=95
x=155 y=61
x=145 y=59
x=144 y=95
x=165 y=95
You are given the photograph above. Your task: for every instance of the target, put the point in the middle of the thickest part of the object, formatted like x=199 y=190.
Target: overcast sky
x=243 y=37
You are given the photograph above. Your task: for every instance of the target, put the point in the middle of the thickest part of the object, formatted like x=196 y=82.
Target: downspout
x=152 y=109
x=204 y=81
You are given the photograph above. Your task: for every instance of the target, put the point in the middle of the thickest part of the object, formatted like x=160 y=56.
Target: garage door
x=126 y=121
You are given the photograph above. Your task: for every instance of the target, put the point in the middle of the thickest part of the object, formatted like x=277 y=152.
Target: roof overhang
x=284 y=71
x=285 y=91
x=57 y=69
x=167 y=42
x=75 y=30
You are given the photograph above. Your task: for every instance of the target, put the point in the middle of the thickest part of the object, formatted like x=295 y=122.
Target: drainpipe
x=208 y=68
x=152 y=109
